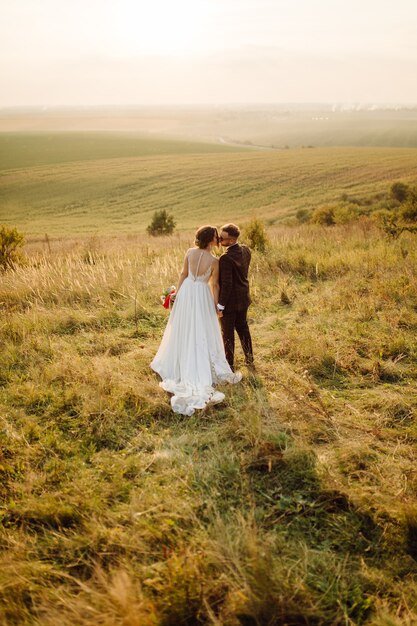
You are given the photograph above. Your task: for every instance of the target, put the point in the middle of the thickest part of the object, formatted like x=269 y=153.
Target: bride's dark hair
x=205 y=235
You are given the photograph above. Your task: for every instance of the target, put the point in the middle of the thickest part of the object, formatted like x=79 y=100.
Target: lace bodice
x=202 y=278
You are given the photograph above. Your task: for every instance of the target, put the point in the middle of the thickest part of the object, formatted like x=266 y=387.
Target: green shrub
x=10 y=243
x=394 y=226
x=404 y=217
x=162 y=224
x=324 y=216
x=302 y=216
x=408 y=210
x=346 y=214
x=399 y=191
x=390 y=224
x=255 y=235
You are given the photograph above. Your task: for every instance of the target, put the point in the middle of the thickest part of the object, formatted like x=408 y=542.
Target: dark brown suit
x=234 y=296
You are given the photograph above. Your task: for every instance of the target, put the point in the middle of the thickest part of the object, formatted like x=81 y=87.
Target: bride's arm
x=184 y=272
x=214 y=280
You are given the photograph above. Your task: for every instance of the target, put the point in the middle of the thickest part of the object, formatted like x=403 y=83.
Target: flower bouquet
x=168 y=296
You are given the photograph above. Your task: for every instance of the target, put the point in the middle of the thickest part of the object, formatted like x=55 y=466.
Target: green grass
x=291 y=503
x=27 y=150
x=120 y=194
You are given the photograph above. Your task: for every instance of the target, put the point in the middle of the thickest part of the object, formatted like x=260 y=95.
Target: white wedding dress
x=191 y=358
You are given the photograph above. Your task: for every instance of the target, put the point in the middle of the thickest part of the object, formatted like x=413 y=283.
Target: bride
x=191 y=357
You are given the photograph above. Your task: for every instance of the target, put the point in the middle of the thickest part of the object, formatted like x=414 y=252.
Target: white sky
x=104 y=52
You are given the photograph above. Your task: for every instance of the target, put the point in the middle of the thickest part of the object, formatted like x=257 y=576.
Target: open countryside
x=294 y=502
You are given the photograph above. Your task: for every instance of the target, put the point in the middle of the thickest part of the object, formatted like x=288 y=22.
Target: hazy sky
x=98 y=52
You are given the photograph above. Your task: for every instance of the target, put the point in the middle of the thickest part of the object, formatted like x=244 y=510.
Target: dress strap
x=198 y=264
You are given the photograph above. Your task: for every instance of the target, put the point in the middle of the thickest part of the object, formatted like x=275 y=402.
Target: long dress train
x=191 y=357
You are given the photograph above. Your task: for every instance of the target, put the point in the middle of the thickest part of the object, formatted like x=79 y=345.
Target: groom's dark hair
x=232 y=230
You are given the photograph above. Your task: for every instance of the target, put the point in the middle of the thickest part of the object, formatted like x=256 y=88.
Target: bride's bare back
x=200 y=261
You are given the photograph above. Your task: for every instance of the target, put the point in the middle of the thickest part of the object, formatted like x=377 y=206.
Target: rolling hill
x=99 y=183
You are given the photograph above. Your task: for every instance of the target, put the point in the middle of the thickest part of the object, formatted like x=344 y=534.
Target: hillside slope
x=120 y=194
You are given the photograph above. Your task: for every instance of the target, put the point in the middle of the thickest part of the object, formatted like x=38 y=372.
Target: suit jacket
x=234 y=284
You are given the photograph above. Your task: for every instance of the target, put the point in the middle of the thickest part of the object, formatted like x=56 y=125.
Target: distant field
x=320 y=128
x=93 y=193
x=282 y=125
x=19 y=150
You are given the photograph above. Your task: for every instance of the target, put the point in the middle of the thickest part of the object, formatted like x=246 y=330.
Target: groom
x=234 y=298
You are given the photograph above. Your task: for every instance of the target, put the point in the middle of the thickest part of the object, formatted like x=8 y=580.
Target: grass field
x=102 y=183
x=293 y=503
x=27 y=150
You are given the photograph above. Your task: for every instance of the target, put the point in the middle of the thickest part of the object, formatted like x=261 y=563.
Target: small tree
x=10 y=243
x=255 y=235
x=162 y=224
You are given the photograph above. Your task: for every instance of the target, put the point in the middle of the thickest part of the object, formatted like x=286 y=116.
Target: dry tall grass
x=291 y=503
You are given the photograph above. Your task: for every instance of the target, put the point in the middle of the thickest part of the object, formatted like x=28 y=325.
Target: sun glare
x=162 y=26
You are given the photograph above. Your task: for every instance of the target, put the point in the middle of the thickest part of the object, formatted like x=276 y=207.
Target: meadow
x=294 y=501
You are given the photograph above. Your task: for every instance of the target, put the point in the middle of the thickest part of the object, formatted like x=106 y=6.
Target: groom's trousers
x=231 y=321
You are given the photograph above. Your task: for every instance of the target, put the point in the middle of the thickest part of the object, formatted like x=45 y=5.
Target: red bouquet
x=167 y=296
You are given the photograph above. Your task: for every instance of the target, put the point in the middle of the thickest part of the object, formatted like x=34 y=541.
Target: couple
x=192 y=357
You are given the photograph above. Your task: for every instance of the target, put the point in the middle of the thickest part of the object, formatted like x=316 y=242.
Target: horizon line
x=333 y=103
